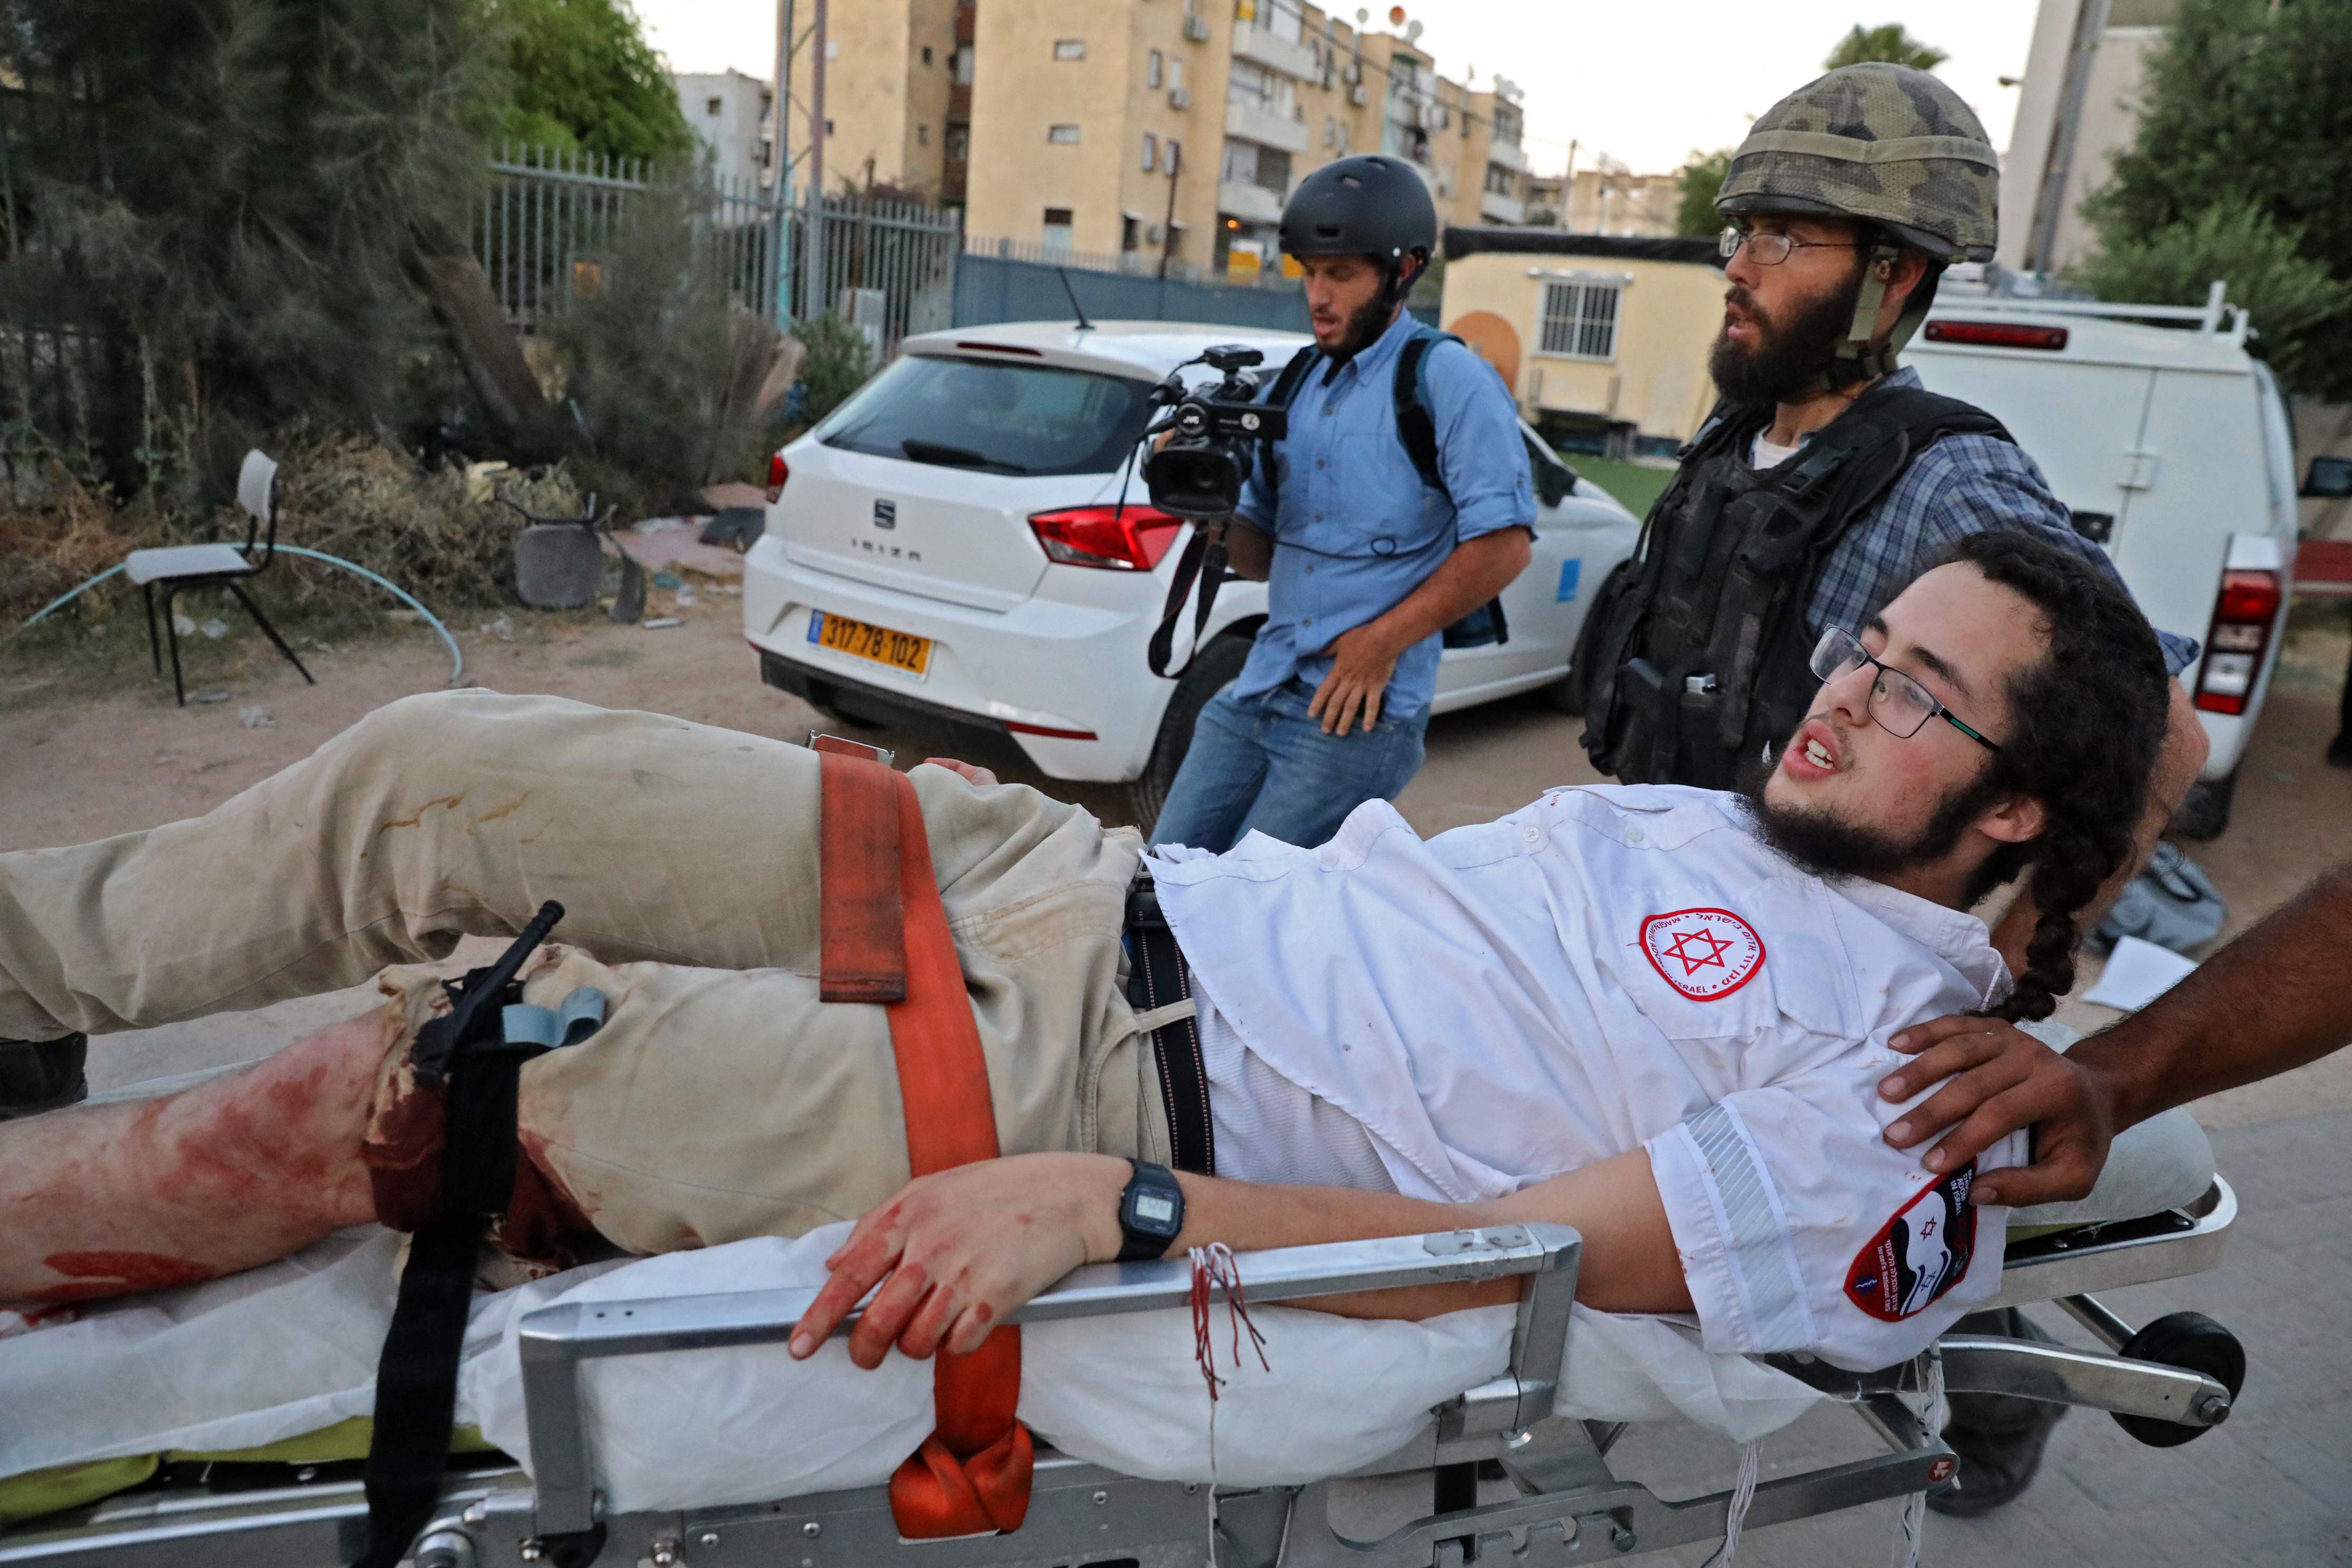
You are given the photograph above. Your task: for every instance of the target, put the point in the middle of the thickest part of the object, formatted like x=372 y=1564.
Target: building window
x=1057 y=228
x=927 y=54
x=960 y=63
x=1240 y=163
x=1130 y=234
x=1175 y=76
x=1062 y=135
x=1069 y=48
x=1175 y=157
x=828 y=128
x=922 y=135
x=959 y=144
x=712 y=106
x=1151 y=63
x=1150 y=153
x=1580 y=319
x=1502 y=181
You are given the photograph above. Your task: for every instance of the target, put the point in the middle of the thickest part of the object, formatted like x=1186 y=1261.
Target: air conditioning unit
x=1155 y=235
x=1180 y=98
x=1357 y=96
x=1196 y=28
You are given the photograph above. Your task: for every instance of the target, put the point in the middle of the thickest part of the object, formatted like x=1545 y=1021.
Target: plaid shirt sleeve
x=1961 y=485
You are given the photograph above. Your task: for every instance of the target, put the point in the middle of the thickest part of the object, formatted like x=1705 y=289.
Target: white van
x=2169 y=445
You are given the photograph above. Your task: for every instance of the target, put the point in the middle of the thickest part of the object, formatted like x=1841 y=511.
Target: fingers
x=1955 y=1055
x=889 y=1314
x=1976 y=1075
x=970 y=772
x=1919 y=1037
x=1999 y=1116
x=2062 y=1178
x=1321 y=699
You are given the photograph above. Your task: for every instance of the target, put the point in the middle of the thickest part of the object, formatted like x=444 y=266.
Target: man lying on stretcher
x=1657 y=1015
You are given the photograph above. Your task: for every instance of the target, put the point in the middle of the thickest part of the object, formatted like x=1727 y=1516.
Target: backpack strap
x=1416 y=426
x=1286 y=387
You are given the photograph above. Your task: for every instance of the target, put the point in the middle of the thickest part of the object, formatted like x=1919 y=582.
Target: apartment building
x=2079 y=108
x=733 y=116
x=1610 y=199
x=1139 y=128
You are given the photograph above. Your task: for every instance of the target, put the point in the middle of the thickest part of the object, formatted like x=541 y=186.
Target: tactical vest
x=1697 y=650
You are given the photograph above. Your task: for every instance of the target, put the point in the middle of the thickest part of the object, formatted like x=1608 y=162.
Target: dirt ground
x=74 y=769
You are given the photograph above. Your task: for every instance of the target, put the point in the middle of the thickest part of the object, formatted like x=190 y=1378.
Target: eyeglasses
x=1898 y=704
x=1771 y=249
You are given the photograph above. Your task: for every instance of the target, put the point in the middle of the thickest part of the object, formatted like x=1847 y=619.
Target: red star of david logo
x=1684 y=947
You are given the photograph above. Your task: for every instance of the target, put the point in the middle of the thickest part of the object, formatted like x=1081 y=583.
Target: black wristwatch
x=1150 y=1213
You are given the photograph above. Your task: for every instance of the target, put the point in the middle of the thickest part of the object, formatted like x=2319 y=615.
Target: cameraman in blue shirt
x=1367 y=558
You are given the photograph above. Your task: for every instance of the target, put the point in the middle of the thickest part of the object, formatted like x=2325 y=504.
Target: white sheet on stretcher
x=291 y=1348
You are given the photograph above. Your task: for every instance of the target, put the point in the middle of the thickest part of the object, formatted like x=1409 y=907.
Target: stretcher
x=1497 y=1476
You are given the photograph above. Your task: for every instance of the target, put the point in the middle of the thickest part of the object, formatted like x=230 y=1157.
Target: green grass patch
x=1635 y=486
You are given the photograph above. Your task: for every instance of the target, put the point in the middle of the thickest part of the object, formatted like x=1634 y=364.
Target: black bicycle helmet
x=1370 y=205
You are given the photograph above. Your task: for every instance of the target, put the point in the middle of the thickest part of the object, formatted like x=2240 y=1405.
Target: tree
x=583 y=78
x=2244 y=106
x=214 y=209
x=1890 y=43
x=1701 y=178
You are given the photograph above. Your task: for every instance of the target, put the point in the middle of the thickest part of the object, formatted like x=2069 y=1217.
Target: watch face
x=1155 y=1211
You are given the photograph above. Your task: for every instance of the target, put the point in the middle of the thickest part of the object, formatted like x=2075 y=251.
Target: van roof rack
x=2216 y=318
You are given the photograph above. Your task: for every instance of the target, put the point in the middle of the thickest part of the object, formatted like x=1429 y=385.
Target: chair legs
x=269 y=631
x=172 y=630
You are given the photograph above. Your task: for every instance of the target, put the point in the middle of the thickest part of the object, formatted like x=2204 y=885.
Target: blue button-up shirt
x=1355 y=531
x=1961 y=485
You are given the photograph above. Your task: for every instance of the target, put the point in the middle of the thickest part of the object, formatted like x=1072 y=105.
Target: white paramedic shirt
x=1615 y=968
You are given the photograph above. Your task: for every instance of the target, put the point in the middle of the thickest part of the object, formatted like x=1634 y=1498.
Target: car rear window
x=996 y=418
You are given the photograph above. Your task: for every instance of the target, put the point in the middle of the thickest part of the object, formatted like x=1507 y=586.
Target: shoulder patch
x=1920 y=1253
x=1702 y=954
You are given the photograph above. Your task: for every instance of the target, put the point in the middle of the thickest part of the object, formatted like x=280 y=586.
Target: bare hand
x=1360 y=666
x=957 y=1252
x=970 y=771
x=2005 y=1079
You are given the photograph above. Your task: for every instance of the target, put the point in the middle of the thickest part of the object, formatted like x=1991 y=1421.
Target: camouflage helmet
x=1882 y=143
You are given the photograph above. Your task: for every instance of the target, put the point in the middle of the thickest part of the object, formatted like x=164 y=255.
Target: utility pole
x=1168 y=230
x=816 y=163
x=779 y=153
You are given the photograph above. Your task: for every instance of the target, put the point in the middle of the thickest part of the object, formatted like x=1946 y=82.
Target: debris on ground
x=214 y=629
x=685 y=599
x=502 y=628
x=739 y=526
x=661 y=623
x=667 y=580
x=219 y=694
x=255 y=717
x=183 y=625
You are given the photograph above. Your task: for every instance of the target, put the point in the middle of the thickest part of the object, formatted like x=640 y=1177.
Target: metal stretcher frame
x=1571 y=1507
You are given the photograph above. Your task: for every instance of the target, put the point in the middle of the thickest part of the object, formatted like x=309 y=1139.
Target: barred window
x=1580 y=319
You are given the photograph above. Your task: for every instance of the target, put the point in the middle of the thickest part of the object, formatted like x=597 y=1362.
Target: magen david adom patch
x=1921 y=1253
x=1702 y=954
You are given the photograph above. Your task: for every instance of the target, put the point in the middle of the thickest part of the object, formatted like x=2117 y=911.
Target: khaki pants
x=722 y=1100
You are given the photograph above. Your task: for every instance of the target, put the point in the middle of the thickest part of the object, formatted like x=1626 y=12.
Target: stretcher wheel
x=2193 y=1343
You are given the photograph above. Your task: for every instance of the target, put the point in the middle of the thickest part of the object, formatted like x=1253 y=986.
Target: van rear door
x=2202 y=479
x=2081 y=422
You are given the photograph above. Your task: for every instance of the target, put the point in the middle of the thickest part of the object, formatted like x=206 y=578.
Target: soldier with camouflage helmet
x=1825 y=479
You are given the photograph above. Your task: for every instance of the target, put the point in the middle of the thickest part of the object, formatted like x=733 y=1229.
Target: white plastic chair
x=177 y=567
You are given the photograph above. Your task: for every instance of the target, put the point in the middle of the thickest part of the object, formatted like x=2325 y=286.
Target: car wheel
x=1208 y=674
x=2205 y=810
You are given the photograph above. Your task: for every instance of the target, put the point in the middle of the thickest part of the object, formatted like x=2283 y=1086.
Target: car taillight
x=1118 y=539
x=2240 y=634
x=777 y=472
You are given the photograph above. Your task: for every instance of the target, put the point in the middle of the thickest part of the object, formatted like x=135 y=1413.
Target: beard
x=1827 y=845
x=1365 y=325
x=1790 y=355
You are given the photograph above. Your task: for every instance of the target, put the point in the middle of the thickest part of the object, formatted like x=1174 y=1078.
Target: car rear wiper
x=924 y=451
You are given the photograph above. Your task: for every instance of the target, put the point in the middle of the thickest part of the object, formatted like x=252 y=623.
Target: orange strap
x=862 y=940
x=972 y=1475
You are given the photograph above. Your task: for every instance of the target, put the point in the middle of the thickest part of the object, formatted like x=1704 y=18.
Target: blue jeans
x=1259 y=764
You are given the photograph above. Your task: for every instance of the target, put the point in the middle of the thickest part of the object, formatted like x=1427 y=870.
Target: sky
x=1644 y=82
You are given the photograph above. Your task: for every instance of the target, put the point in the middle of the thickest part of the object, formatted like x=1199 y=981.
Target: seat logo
x=1920 y=1254
x=1702 y=954
x=886 y=513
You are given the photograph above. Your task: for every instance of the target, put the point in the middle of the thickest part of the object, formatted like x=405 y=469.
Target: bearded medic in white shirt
x=1658 y=1015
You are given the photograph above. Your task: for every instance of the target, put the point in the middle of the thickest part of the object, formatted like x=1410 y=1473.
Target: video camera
x=1213 y=437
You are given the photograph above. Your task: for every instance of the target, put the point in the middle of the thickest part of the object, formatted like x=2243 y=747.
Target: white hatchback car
x=945 y=554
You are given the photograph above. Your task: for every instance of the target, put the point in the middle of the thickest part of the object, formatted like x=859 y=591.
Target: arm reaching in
x=2273 y=999
x=955 y=1253
x=1363 y=657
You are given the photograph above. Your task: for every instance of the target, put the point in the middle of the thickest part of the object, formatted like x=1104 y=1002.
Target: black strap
x=1286 y=387
x=466 y=1054
x=1416 y=426
x=1156 y=975
x=1203 y=559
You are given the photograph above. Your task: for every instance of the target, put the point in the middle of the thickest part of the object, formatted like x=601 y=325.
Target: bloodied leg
x=109 y=1199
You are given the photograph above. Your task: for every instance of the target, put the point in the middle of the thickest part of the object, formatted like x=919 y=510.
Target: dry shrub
x=347 y=497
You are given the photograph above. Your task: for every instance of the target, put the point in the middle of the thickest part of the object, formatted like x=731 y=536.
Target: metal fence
x=552 y=218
